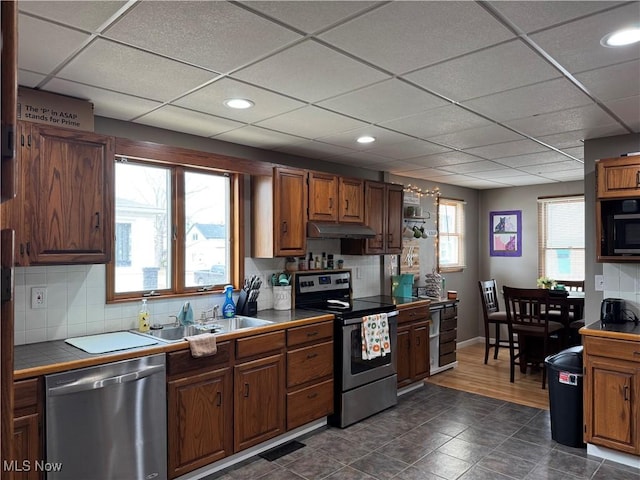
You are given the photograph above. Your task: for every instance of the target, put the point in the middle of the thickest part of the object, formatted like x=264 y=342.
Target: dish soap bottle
x=228 y=307
x=143 y=317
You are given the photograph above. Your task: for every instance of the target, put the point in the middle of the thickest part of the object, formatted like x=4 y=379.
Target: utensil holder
x=250 y=309
x=282 y=297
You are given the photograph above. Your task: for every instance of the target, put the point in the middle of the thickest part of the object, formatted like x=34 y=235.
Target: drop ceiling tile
x=564 y=140
x=436 y=122
x=105 y=102
x=545 y=97
x=577 y=152
x=628 y=109
x=472 y=167
x=531 y=16
x=383 y=101
x=257 y=137
x=362 y=159
x=588 y=118
x=311 y=72
x=507 y=149
x=474 y=137
x=443 y=159
x=104 y=63
x=29 y=79
x=554 y=167
x=398 y=166
x=311 y=122
x=432 y=174
x=477 y=183
x=215 y=35
x=86 y=15
x=489 y=71
x=407 y=149
x=526 y=180
x=535 y=159
x=348 y=138
x=313 y=149
x=36 y=51
x=187 y=121
x=499 y=175
x=309 y=16
x=627 y=81
x=210 y=99
x=402 y=36
x=576 y=45
x=566 y=176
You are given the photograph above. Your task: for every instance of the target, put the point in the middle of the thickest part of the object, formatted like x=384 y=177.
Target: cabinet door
x=351 y=191
x=375 y=216
x=289 y=216
x=611 y=404
x=259 y=401
x=394 y=219
x=200 y=420
x=421 y=350
x=618 y=177
x=323 y=197
x=26 y=446
x=71 y=196
x=404 y=355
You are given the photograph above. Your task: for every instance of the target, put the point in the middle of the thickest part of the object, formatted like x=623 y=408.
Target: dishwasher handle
x=84 y=385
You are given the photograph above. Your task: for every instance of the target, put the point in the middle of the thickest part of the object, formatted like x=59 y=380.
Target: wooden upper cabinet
x=394 y=198
x=66 y=196
x=375 y=213
x=618 y=177
x=279 y=213
x=323 y=197
x=351 y=191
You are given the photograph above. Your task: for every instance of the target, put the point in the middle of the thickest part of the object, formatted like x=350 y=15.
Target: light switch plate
x=39 y=297
x=599 y=284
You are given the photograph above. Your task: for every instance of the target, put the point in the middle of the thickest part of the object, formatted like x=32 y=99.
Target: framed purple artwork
x=505 y=233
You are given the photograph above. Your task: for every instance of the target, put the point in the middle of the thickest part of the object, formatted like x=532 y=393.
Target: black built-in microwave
x=621 y=218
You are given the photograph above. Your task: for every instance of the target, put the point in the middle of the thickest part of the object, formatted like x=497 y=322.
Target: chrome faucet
x=216 y=312
x=175 y=323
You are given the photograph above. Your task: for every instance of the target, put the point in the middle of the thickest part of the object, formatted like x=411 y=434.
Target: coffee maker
x=611 y=311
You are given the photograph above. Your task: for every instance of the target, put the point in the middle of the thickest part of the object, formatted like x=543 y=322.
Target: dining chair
x=492 y=316
x=575 y=320
x=537 y=335
x=572 y=285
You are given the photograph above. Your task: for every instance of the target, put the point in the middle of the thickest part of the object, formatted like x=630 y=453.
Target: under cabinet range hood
x=338 y=230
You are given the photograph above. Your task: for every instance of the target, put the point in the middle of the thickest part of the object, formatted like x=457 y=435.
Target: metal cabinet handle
x=331 y=203
x=638 y=178
x=418 y=341
x=81 y=386
x=246 y=390
x=28 y=249
x=22 y=249
x=29 y=140
x=311 y=355
x=219 y=402
x=97 y=215
x=285 y=228
x=346 y=204
x=625 y=391
x=312 y=395
x=312 y=334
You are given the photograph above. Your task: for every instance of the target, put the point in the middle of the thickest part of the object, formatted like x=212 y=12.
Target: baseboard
x=471 y=341
x=613 y=455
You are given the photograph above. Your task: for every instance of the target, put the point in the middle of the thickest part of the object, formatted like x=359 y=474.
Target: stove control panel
x=325 y=281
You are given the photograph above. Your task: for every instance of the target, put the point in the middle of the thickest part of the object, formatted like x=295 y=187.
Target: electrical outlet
x=358 y=272
x=39 y=297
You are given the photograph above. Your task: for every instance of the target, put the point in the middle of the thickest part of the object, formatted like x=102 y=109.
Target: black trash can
x=564 y=371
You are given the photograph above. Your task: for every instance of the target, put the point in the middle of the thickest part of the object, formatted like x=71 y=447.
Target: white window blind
x=561 y=252
x=451 y=238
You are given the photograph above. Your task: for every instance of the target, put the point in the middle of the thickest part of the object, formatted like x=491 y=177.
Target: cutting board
x=110 y=342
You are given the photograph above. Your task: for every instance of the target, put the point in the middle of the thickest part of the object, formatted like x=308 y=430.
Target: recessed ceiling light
x=620 y=38
x=238 y=103
x=366 y=139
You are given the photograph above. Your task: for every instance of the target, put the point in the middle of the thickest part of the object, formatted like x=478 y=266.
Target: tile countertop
x=42 y=358
x=621 y=331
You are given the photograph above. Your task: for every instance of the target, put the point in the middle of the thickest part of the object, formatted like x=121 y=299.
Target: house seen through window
x=451 y=238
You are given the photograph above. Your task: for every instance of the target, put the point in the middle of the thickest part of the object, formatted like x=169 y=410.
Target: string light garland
x=426 y=192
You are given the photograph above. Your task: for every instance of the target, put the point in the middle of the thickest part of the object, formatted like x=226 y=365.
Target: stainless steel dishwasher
x=108 y=422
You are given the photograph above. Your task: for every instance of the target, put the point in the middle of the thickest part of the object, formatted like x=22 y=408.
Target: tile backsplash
x=76 y=296
x=622 y=280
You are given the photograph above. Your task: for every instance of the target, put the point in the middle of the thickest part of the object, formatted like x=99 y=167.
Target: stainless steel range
x=363 y=386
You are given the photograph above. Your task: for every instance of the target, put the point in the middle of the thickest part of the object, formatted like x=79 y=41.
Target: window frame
x=460 y=233
x=180 y=160
x=542 y=239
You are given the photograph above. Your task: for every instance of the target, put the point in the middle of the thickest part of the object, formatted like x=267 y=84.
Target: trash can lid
x=569 y=359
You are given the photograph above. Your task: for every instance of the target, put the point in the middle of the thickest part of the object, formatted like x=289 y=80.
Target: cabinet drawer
x=25 y=393
x=412 y=314
x=605 y=347
x=447 y=348
x=309 y=333
x=309 y=363
x=447 y=359
x=448 y=336
x=259 y=344
x=309 y=404
x=448 y=324
x=449 y=311
x=182 y=362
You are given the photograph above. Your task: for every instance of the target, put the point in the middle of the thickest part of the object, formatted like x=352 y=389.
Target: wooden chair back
x=526 y=310
x=489 y=297
x=572 y=285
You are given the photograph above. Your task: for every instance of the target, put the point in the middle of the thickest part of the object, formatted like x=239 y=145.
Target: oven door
x=355 y=370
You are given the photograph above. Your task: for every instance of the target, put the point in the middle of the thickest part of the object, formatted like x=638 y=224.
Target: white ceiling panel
x=313 y=149
x=406 y=149
x=474 y=137
x=526 y=180
x=103 y=63
x=348 y=138
x=210 y=99
x=493 y=70
x=36 y=51
x=554 y=167
x=499 y=175
x=576 y=45
x=442 y=159
x=599 y=84
x=187 y=121
x=383 y=101
x=105 y=102
x=507 y=149
x=438 y=121
x=359 y=159
x=478 y=183
x=88 y=15
x=471 y=167
x=423 y=33
x=534 y=159
x=29 y=79
x=311 y=122
x=220 y=36
x=257 y=137
x=310 y=72
x=628 y=109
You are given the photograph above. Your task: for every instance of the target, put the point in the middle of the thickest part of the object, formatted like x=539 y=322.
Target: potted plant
x=545 y=282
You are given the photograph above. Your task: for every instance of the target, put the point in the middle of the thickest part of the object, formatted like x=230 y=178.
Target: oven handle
x=355 y=321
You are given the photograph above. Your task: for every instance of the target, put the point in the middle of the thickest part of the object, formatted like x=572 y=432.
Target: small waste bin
x=564 y=371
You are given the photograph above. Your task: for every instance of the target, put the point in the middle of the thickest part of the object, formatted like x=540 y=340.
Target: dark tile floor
x=436 y=433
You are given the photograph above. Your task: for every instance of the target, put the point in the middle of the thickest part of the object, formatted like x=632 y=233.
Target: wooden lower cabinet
x=200 y=409
x=413 y=344
x=612 y=393
x=27 y=429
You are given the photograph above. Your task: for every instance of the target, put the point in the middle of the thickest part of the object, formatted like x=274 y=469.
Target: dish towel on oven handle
x=375 y=336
